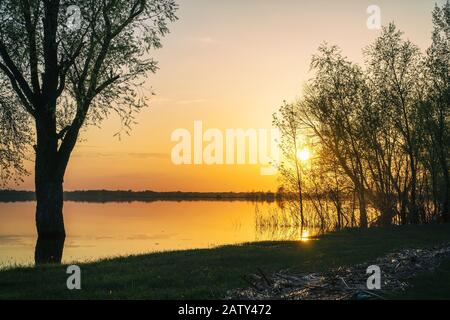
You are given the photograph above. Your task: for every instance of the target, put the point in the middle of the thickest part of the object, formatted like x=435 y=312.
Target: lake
x=100 y=230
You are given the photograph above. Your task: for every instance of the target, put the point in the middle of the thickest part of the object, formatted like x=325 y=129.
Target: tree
x=381 y=131
x=395 y=71
x=60 y=79
x=436 y=113
x=291 y=168
x=14 y=137
x=330 y=108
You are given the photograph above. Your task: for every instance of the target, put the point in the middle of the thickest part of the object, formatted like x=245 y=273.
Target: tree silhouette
x=58 y=74
x=380 y=131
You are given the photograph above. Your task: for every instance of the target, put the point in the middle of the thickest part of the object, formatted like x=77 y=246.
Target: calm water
x=97 y=230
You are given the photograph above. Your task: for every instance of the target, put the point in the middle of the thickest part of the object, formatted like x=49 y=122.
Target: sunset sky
x=230 y=64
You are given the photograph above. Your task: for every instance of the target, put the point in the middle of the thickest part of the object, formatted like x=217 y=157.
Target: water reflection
x=285 y=233
x=49 y=250
x=305 y=236
x=101 y=230
x=282 y=223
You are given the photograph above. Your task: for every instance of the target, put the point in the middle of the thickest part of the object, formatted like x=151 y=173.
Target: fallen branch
x=344 y=282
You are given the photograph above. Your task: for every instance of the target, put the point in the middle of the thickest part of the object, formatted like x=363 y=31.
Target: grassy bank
x=209 y=273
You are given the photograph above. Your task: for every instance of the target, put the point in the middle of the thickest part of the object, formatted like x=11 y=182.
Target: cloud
x=138 y=155
x=164 y=100
x=152 y=237
x=158 y=99
x=202 y=40
x=205 y=40
x=144 y=155
x=17 y=240
x=191 y=101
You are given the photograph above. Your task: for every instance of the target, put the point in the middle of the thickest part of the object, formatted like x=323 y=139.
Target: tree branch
x=63 y=132
x=15 y=73
x=18 y=91
x=31 y=35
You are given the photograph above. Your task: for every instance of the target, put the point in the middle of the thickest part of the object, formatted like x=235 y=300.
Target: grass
x=429 y=286
x=209 y=273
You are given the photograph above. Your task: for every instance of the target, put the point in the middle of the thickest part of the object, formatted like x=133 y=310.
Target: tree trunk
x=49 y=209
x=49 y=196
x=48 y=250
x=49 y=220
x=445 y=206
x=362 y=210
x=387 y=213
x=413 y=209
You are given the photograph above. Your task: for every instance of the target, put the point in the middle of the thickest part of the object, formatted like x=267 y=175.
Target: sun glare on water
x=305 y=236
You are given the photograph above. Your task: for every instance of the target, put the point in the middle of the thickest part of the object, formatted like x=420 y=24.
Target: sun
x=304 y=154
x=305 y=236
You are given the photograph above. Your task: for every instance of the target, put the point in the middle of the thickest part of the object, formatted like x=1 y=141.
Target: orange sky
x=230 y=64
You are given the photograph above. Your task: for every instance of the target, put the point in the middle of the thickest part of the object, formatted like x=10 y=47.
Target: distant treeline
x=119 y=196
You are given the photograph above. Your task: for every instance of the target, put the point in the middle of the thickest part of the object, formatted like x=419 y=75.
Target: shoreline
x=211 y=273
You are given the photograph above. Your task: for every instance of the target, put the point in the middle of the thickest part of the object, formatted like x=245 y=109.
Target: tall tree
x=61 y=74
x=329 y=109
x=290 y=145
x=436 y=113
x=395 y=71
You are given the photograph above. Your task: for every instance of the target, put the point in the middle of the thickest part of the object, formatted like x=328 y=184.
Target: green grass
x=209 y=273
